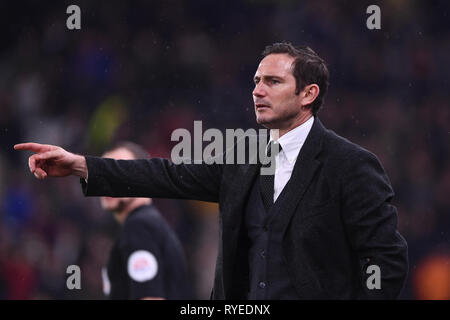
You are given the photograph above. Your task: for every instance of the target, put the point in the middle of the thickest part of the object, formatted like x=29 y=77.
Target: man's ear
x=309 y=94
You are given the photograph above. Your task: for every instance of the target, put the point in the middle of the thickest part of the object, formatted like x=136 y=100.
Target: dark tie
x=267 y=181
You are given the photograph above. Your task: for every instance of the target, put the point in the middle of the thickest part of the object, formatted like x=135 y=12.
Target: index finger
x=35 y=147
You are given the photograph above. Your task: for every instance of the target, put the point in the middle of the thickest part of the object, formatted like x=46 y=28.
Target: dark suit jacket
x=337 y=216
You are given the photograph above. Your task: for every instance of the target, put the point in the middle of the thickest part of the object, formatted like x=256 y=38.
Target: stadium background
x=138 y=70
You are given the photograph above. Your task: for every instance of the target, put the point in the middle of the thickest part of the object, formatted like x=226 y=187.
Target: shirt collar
x=292 y=141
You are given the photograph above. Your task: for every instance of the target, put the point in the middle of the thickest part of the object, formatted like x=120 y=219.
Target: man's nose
x=259 y=90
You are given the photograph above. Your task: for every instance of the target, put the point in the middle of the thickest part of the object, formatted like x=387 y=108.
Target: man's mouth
x=261 y=106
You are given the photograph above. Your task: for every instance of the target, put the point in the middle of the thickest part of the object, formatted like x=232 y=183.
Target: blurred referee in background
x=147 y=260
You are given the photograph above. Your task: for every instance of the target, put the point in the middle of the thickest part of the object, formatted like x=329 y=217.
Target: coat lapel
x=240 y=190
x=303 y=173
x=232 y=219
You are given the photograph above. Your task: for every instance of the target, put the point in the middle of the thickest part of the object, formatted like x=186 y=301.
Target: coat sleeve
x=155 y=178
x=371 y=223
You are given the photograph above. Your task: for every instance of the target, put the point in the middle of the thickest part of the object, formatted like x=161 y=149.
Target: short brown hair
x=308 y=68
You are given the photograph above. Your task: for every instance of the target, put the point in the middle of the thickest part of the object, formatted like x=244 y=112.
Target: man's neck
x=294 y=124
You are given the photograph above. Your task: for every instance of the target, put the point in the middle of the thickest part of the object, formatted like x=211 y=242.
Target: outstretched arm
x=154 y=178
x=126 y=178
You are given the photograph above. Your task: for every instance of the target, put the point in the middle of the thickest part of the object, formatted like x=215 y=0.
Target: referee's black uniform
x=147 y=259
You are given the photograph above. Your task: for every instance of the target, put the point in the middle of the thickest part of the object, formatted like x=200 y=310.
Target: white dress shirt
x=291 y=144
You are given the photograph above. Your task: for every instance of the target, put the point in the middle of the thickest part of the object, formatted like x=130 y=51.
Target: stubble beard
x=277 y=121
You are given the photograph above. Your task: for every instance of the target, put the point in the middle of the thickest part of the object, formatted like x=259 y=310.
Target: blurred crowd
x=138 y=70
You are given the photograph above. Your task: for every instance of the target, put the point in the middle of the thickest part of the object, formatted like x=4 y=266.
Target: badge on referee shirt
x=142 y=266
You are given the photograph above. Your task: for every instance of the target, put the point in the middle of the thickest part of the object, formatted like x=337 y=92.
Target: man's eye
x=273 y=81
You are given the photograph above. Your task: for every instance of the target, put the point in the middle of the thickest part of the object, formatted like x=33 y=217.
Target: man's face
x=276 y=104
x=116 y=205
